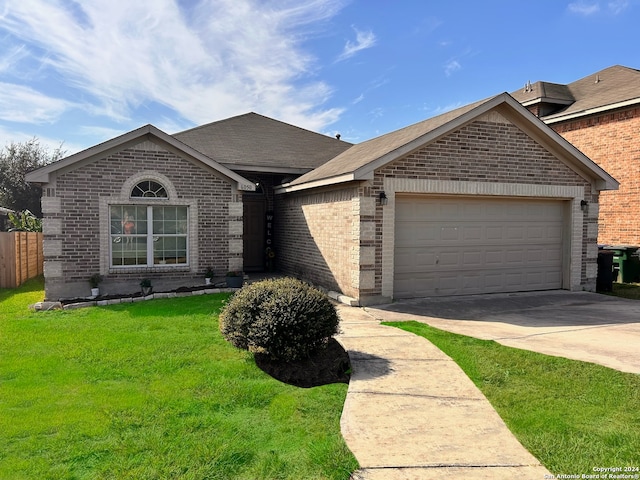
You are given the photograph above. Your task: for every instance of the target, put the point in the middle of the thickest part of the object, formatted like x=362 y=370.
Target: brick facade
x=335 y=234
x=76 y=213
x=611 y=140
x=317 y=238
x=344 y=239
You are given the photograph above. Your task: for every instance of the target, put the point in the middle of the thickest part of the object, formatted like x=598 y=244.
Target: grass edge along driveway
x=572 y=416
x=152 y=390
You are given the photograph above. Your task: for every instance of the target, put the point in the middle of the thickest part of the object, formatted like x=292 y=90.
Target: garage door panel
x=516 y=232
x=448 y=259
x=438 y=259
x=409 y=260
x=475 y=245
x=536 y=232
x=514 y=257
x=437 y=233
x=472 y=233
x=472 y=210
x=448 y=233
x=554 y=233
x=473 y=258
x=535 y=255
x=494 y=233
x=494 y=257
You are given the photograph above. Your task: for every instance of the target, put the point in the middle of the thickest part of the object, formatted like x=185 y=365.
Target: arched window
x=148 y=233
x=149 y=188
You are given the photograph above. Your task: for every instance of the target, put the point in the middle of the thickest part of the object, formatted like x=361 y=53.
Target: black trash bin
x=626 y=263
x=604 y=280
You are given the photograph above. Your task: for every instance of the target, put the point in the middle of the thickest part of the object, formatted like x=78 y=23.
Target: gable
x=488 y=149
x=109 y=175
x=362 y=160
x=149 y=136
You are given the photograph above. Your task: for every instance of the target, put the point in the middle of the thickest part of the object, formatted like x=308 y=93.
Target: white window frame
x=124 y=198
x=150 y=237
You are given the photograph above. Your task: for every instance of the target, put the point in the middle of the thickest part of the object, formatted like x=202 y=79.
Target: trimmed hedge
x=284 y=318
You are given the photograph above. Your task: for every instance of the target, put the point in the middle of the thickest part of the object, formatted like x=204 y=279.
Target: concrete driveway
x=578 y=325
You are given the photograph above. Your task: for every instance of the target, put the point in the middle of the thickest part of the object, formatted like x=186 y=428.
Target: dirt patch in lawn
x=328 y=365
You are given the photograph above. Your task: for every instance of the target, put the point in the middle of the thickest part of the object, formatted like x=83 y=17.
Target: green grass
x=572 y=416
x=151 y=391
x=626 y=290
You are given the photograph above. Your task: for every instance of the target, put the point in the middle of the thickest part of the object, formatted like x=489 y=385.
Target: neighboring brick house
x=482 y=199
x=600 y=115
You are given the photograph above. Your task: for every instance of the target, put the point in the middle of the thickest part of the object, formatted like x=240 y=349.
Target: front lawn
x=572 y=416
x=626 y=290
x=151 y=390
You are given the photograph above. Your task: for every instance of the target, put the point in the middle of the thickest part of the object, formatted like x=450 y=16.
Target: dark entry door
x=254 y=228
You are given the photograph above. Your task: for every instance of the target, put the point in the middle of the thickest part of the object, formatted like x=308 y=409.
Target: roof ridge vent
x=528 y=87
x=597 y=79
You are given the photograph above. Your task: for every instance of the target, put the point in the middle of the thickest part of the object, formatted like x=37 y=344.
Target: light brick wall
x=490 y=151
x=317 y=238
x=495 y=152
x=612 y=141
x=77 y=242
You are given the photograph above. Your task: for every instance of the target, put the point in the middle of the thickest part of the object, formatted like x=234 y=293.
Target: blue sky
x=81 y=72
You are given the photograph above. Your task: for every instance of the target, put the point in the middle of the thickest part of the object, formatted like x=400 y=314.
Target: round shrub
x=284 y=318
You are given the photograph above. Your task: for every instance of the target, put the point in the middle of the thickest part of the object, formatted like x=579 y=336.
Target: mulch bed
x=67 y=301
x=328 y=365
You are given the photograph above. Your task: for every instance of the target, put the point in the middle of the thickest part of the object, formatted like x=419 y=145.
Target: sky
x=77 y=73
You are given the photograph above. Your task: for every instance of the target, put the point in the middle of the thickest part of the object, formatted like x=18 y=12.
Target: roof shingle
x=608 y=87
x=252 y=141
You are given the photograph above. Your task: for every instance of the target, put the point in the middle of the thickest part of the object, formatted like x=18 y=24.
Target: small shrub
x=283 y=318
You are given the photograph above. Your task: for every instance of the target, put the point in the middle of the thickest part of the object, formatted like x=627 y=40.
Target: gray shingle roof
x=362 y=154
x=130 y=139
x=254 y=142
x=360 y=161
x=544 y=91
x=609 y=87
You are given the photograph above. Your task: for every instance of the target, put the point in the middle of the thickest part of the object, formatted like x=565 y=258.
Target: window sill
x=154 y=269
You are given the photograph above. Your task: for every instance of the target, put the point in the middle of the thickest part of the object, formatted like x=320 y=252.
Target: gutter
x=591 y=111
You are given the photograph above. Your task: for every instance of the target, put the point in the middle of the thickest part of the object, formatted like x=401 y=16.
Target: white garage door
x=461 y=246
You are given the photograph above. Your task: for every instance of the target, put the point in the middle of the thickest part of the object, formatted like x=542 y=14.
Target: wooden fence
x=21 y=257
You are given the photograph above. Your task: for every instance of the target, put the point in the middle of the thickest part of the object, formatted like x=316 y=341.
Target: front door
x=254 y=229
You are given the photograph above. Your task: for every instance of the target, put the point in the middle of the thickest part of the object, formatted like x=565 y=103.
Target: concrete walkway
x=411 y=413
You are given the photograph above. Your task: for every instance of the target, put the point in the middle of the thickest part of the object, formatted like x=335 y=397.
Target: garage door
x=470 y=245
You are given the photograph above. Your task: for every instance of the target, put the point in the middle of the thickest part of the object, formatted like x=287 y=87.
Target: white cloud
x=364 y=40
x=375 y=113
x=23 y=104
x=13 y=136
x=373 y=85
x=451 y=67
x=10 y=56
x=217 y=59
x=584 y=8
x=617 y=6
